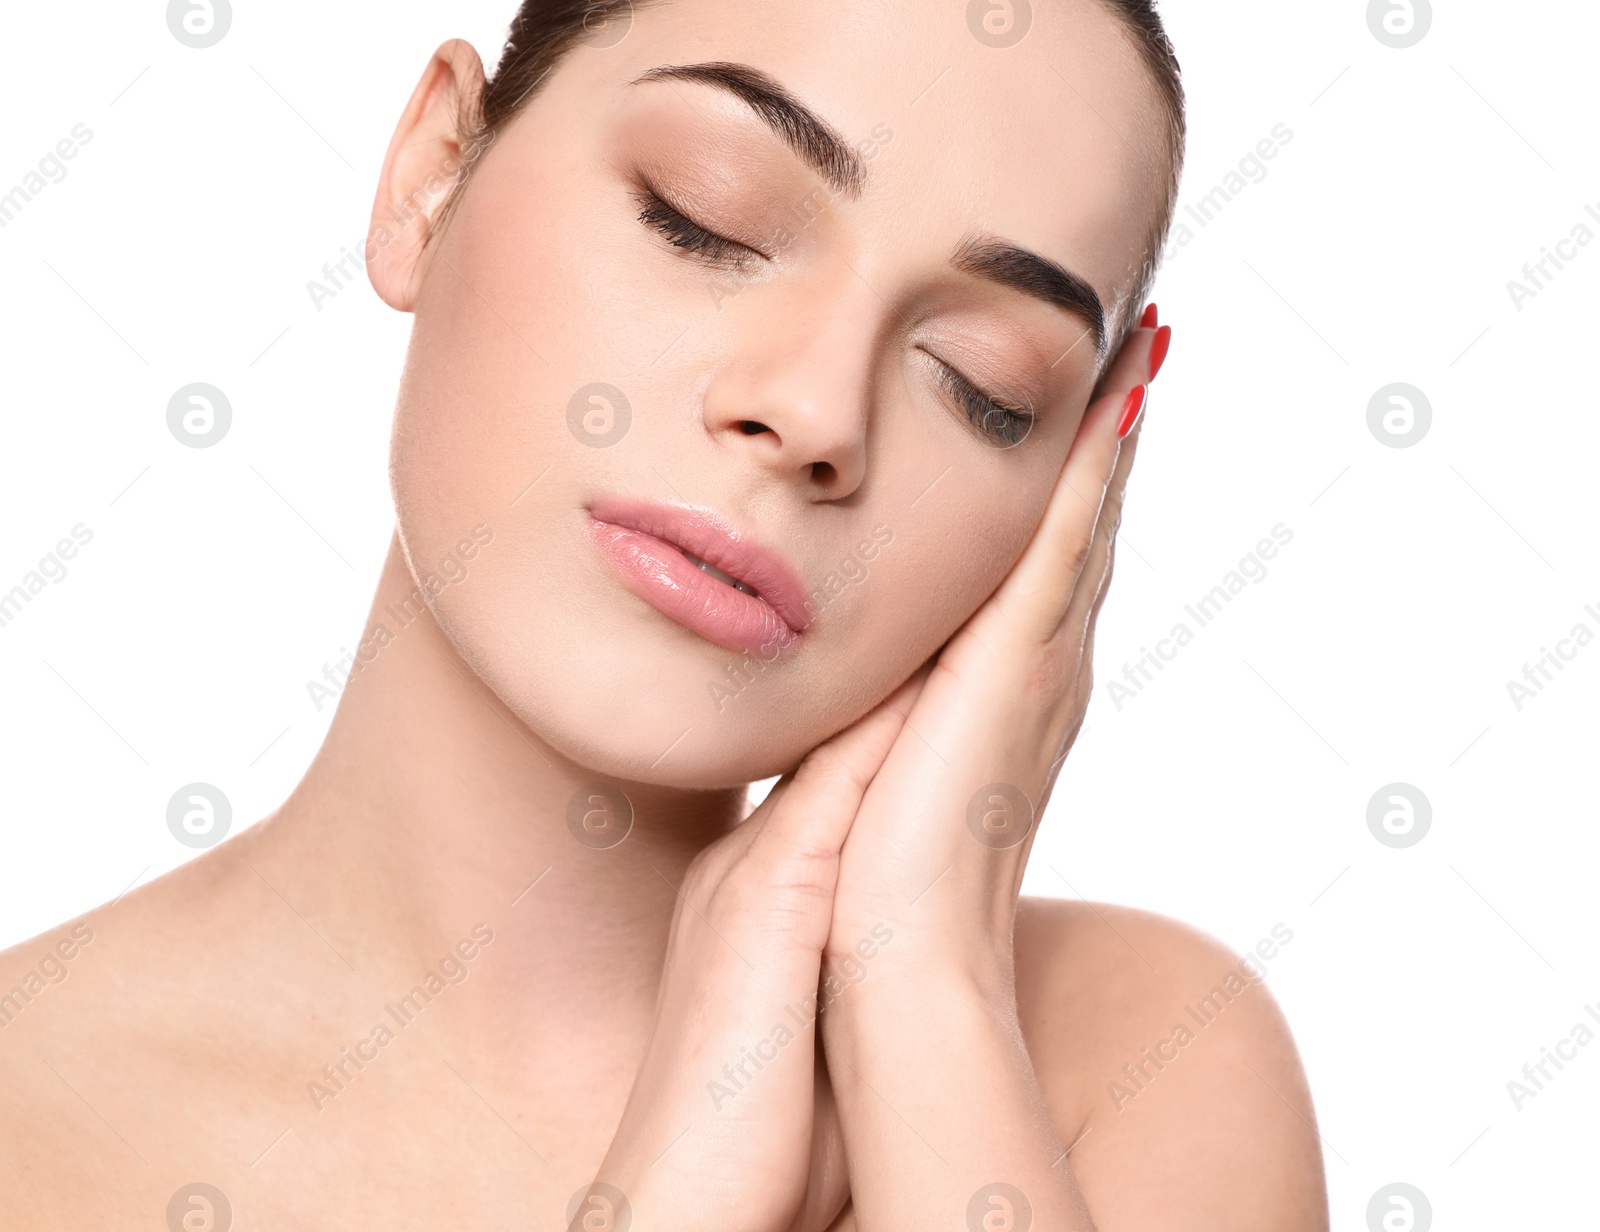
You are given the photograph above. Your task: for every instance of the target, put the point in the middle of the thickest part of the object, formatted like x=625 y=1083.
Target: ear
x=424 y=162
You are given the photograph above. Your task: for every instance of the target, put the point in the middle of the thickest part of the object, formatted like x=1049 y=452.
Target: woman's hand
x=730 y=1122
x=927 y=1039
x=938 y=848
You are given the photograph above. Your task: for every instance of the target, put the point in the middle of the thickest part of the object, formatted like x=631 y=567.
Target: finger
x=1078 y=625
x=1039 y=591
x=1095 y=579
x=828 y=1181
x=1138 y=362
x=1034 y=596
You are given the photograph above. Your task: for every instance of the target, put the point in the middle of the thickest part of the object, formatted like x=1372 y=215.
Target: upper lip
x=705 y=533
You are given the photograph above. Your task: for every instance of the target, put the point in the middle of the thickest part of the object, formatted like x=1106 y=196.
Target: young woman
x=776 y=376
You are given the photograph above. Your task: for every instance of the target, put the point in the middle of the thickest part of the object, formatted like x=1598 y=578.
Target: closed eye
x=1002 y=425
x=693 y=239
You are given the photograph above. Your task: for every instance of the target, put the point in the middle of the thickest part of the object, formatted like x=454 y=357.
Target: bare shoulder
x=57 y=1164
x=110 y=1060
x=1169 y=1070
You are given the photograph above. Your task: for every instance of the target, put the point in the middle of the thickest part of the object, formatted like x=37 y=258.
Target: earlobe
x=424 y=162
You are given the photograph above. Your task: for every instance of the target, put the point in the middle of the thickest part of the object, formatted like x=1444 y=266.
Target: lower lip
x=668 y=581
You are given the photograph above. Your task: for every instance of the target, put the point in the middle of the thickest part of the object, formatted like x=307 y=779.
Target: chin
x=617 y=688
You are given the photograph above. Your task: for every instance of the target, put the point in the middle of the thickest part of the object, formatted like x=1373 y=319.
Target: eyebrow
x=803 y=130
x=820 y=145
x=1028 y=272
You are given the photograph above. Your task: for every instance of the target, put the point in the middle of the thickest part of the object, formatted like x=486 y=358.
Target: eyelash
x=690 y=236
x=1006 y=424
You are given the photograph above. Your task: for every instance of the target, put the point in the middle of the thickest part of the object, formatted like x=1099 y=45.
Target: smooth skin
x=198 y=1036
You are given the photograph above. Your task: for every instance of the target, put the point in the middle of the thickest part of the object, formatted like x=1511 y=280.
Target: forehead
x=1054 y=142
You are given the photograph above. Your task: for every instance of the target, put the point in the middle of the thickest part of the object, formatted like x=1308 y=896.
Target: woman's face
x=674 y=292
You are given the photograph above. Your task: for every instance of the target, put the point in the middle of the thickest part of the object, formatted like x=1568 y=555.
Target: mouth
x=707 y=567
x=693 y=566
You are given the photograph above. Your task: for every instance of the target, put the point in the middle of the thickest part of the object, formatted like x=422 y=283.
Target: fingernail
x=1131 y=410
x=1159 y=348
x=1148 y=321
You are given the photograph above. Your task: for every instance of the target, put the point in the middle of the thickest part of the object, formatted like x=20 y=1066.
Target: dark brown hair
x=544 y=31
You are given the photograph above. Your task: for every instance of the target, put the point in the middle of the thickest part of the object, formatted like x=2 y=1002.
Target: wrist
x=905 y=956
x=900 y=992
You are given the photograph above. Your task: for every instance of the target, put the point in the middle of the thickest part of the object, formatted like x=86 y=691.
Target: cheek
x=490 y=351
x=542 y=293
x=941 y=567
x=523 y=308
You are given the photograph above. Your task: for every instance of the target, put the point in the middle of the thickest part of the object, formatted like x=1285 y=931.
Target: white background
x=1231 y=792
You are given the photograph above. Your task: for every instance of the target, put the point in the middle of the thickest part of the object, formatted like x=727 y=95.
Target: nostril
x=752 y=428
x=823 y=472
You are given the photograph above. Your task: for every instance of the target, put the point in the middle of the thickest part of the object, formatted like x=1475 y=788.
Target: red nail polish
x=1148 y=321
x=1131 y=410
x=1159 y=348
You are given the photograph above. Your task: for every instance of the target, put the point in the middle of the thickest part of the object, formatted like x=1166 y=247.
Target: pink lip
x=646 y=542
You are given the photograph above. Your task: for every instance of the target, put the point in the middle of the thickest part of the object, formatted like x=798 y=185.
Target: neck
x=431 y=808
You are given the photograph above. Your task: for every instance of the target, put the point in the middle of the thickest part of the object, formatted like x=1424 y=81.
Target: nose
x=795 y=394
